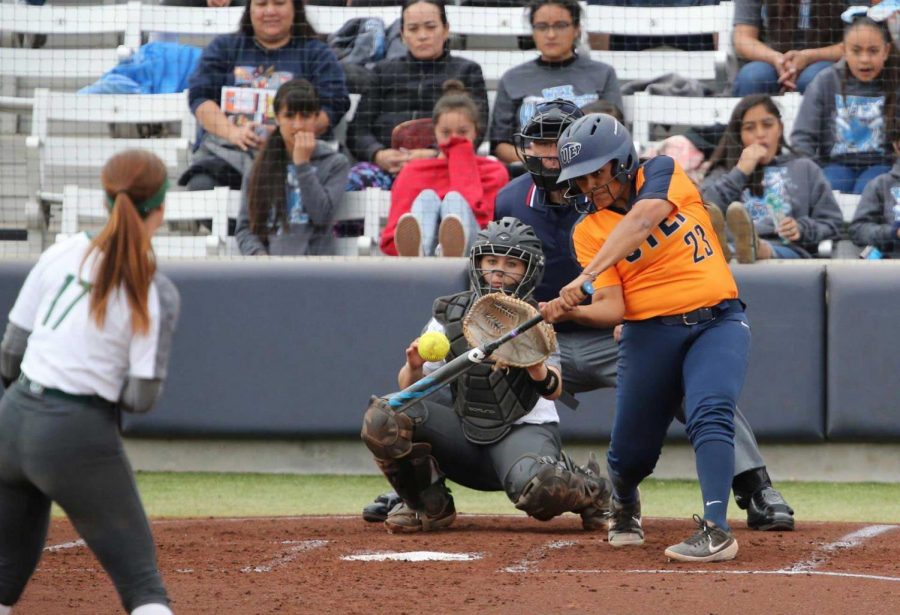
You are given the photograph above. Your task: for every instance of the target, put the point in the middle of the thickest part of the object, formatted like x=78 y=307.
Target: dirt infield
x=485 y=565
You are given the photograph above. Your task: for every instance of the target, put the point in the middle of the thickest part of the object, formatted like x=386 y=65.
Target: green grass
x=239 y=495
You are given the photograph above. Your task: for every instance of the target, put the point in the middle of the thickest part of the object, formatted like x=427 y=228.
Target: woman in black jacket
x=407 y=88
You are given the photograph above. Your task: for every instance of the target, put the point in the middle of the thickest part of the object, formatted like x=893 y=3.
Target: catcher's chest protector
x=489 y=401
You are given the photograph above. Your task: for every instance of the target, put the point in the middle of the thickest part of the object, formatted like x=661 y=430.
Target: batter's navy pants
x=659 y=366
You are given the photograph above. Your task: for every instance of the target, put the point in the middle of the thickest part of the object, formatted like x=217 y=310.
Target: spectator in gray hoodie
x=848 y=110
x=766 y=192
x=559 y=72
x=290 y=195
x=877 y=218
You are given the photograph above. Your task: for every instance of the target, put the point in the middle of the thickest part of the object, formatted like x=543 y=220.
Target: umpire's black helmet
x=547 y=123
x=593 y=141
x=508 y=237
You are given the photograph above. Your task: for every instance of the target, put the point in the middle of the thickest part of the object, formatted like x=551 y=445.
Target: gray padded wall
x=783 y=396
x=290 y=348
x=864 y=351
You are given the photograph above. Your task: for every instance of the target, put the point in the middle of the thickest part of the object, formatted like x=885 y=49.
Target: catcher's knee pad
x=556 y=489
x=387 y=433
x=520 y=474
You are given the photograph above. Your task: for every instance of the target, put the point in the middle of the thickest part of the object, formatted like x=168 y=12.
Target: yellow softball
x=433 y=346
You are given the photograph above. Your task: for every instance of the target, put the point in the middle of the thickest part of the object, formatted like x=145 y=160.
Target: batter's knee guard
x=386 y=432
x=557 y=486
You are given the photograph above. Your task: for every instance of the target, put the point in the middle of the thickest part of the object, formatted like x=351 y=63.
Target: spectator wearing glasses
x=559 y=72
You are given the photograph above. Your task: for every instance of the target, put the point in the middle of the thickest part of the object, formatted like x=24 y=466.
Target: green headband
x=145 y=207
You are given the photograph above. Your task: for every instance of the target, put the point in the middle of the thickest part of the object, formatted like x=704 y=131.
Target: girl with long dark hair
x=89 y=335
x=289 y=197
x=765 y=190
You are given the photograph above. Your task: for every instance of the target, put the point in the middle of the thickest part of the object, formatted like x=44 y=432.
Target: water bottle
x=870 y=253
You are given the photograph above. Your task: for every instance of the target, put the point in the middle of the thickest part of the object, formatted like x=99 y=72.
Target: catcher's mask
x=586 y=146
x=549 y=121
x=513 y=238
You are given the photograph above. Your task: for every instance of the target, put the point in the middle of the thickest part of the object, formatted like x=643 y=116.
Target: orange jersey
x=679 y=267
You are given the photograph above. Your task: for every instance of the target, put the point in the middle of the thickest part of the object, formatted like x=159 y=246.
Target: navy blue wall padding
x=864 y=351
x=290 y=348
x=783 y=396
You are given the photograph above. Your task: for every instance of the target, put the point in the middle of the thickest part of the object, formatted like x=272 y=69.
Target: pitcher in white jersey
x=88 y=336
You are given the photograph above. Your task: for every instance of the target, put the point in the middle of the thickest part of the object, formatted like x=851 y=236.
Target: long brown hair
x=126 y=259
x=731 y=146
x=268 y=178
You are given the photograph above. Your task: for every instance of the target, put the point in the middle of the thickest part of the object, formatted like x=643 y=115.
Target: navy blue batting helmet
x=548 y=122
x=593 y=141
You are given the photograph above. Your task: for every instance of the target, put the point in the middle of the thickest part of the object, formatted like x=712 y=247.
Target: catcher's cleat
x=768 y=511
x=741 y=226
x=624 y=525
x=452 y=236
x=405 y=520
x=708 y=544
x=408 y=236
x=377 y=511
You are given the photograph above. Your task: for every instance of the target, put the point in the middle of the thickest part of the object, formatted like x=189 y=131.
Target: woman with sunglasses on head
x=559 y=72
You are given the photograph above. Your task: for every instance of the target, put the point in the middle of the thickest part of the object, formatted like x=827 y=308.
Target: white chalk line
x=298 y=547
x=850 y=541
x=873 y=577
x=536 y=554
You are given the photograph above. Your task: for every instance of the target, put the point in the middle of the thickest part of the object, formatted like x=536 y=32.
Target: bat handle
x=587 y=288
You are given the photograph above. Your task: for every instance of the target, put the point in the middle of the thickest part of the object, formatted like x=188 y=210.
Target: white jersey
x=66 y=350
x=544 y=410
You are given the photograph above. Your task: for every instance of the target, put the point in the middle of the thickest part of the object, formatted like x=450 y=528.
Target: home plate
x=413 y=556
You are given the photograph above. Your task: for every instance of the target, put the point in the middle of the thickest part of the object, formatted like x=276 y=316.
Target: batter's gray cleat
x=709 y=544
x=624 y=525
x=377 y=511
x=405 y=520
x=767 y=511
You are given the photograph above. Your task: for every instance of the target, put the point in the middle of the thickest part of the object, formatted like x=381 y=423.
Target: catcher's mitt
x=496 y=314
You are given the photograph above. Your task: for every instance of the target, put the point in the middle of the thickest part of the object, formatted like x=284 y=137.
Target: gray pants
x=589 y=361
x=56 y=450
x=488 y=467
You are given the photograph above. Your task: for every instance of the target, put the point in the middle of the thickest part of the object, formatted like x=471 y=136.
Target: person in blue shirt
x=274 y=44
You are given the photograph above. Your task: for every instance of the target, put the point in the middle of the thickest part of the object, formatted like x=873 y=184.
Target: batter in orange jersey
x=648 y=248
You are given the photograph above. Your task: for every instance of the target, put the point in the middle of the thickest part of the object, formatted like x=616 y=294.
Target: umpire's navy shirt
x=553 y=224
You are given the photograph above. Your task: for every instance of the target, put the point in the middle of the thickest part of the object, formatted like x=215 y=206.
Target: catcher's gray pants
x=63 y=451
x=589 y=361
x=485 y=467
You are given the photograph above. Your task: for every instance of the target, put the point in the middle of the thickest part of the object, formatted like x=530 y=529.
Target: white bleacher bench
x=696 y=111
x=666 y=21
x=44 y=151
x=49 y=19
x=189 y=20
x=88 y=205
x=86 y=64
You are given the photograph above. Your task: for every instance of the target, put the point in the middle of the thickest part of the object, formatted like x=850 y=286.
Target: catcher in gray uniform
x=498 y=428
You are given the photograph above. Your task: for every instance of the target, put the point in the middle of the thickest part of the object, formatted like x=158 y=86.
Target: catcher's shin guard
x=560 y=486
x=417 y=480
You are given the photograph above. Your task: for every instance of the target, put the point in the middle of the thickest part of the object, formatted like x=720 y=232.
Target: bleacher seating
x=83 y=206
x=45 y=151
